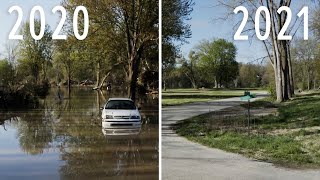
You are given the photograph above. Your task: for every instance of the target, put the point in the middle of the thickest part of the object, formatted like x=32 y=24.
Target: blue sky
x=8 y=20
x=204 y=26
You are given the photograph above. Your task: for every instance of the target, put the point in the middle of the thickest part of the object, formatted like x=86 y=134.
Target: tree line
x=288 y=66
x=121 y=48
x=209 y=64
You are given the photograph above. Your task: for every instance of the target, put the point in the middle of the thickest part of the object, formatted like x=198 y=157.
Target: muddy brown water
x=63 y=139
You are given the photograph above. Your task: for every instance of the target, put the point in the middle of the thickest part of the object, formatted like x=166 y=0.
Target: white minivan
x=120 y=113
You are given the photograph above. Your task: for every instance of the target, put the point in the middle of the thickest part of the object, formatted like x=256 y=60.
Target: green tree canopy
x=121 y=32
x=35 y=55
x=217 y=60
x=6 y=73
x=175 y=31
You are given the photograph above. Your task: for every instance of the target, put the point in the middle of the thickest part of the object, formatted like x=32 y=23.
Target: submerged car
x=120 y=113
x=121 y=132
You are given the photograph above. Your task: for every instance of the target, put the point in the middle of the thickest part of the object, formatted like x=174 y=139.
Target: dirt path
x=182 y=159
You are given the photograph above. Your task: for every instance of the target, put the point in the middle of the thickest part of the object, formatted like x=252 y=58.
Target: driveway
x=183 y=159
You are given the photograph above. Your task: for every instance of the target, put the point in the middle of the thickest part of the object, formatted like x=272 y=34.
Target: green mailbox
x=247 y=93
x=246 y=98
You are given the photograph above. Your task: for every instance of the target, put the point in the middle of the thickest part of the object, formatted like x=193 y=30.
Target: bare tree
x=305 y=56
x=189 y=68
x=11 y=52
x=278 y=50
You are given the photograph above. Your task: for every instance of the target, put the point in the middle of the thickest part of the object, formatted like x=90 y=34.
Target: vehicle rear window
x=120 y=104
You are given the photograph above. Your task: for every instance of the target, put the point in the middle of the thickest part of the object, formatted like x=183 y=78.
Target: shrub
x=272 y=91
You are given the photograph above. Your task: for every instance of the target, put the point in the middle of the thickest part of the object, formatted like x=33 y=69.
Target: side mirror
x=101 y=108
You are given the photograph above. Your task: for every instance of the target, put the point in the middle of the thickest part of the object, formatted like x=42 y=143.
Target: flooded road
x=64 y=139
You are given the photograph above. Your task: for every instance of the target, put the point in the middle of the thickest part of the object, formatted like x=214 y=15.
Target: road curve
x=183 y=159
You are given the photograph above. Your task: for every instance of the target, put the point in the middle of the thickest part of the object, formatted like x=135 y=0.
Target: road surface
x=183 y=159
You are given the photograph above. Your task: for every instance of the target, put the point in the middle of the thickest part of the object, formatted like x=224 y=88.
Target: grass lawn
x=183 y=96
x=290 y=138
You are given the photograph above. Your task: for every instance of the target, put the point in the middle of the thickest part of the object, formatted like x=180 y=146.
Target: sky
x=8 y=20
x=204 y=25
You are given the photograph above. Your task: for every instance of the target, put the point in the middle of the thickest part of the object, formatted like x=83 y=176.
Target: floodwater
x=63 y=139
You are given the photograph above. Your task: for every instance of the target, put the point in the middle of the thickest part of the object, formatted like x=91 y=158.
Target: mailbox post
x=247 y=96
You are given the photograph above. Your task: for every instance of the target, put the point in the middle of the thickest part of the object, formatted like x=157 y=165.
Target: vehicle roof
x=119 y=99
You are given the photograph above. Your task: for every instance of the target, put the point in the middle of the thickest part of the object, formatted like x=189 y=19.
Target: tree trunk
x=164 y=75
x=69 y=84
x=287 y=75
x=134 y=51
x=192 y=80
x=133 y=75
x=102 y=81
x=215 y=82
x=286 y=86
x=98 y=101
x=308 y=80
x=290 y=71
x=235 y=83
x=194 y=85
x=281 y=55
x=98 y=74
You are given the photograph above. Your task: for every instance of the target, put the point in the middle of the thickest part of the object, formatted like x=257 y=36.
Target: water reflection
x=34 y=136
x=67 y=131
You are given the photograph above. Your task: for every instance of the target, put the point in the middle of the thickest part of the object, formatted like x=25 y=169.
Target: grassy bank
x=183 y=96
x=289 y=137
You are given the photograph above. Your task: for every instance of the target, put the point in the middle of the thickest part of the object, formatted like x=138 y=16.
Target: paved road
x=182 y=159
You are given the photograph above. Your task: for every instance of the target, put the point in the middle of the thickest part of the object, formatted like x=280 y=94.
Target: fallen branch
x=102 y=82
